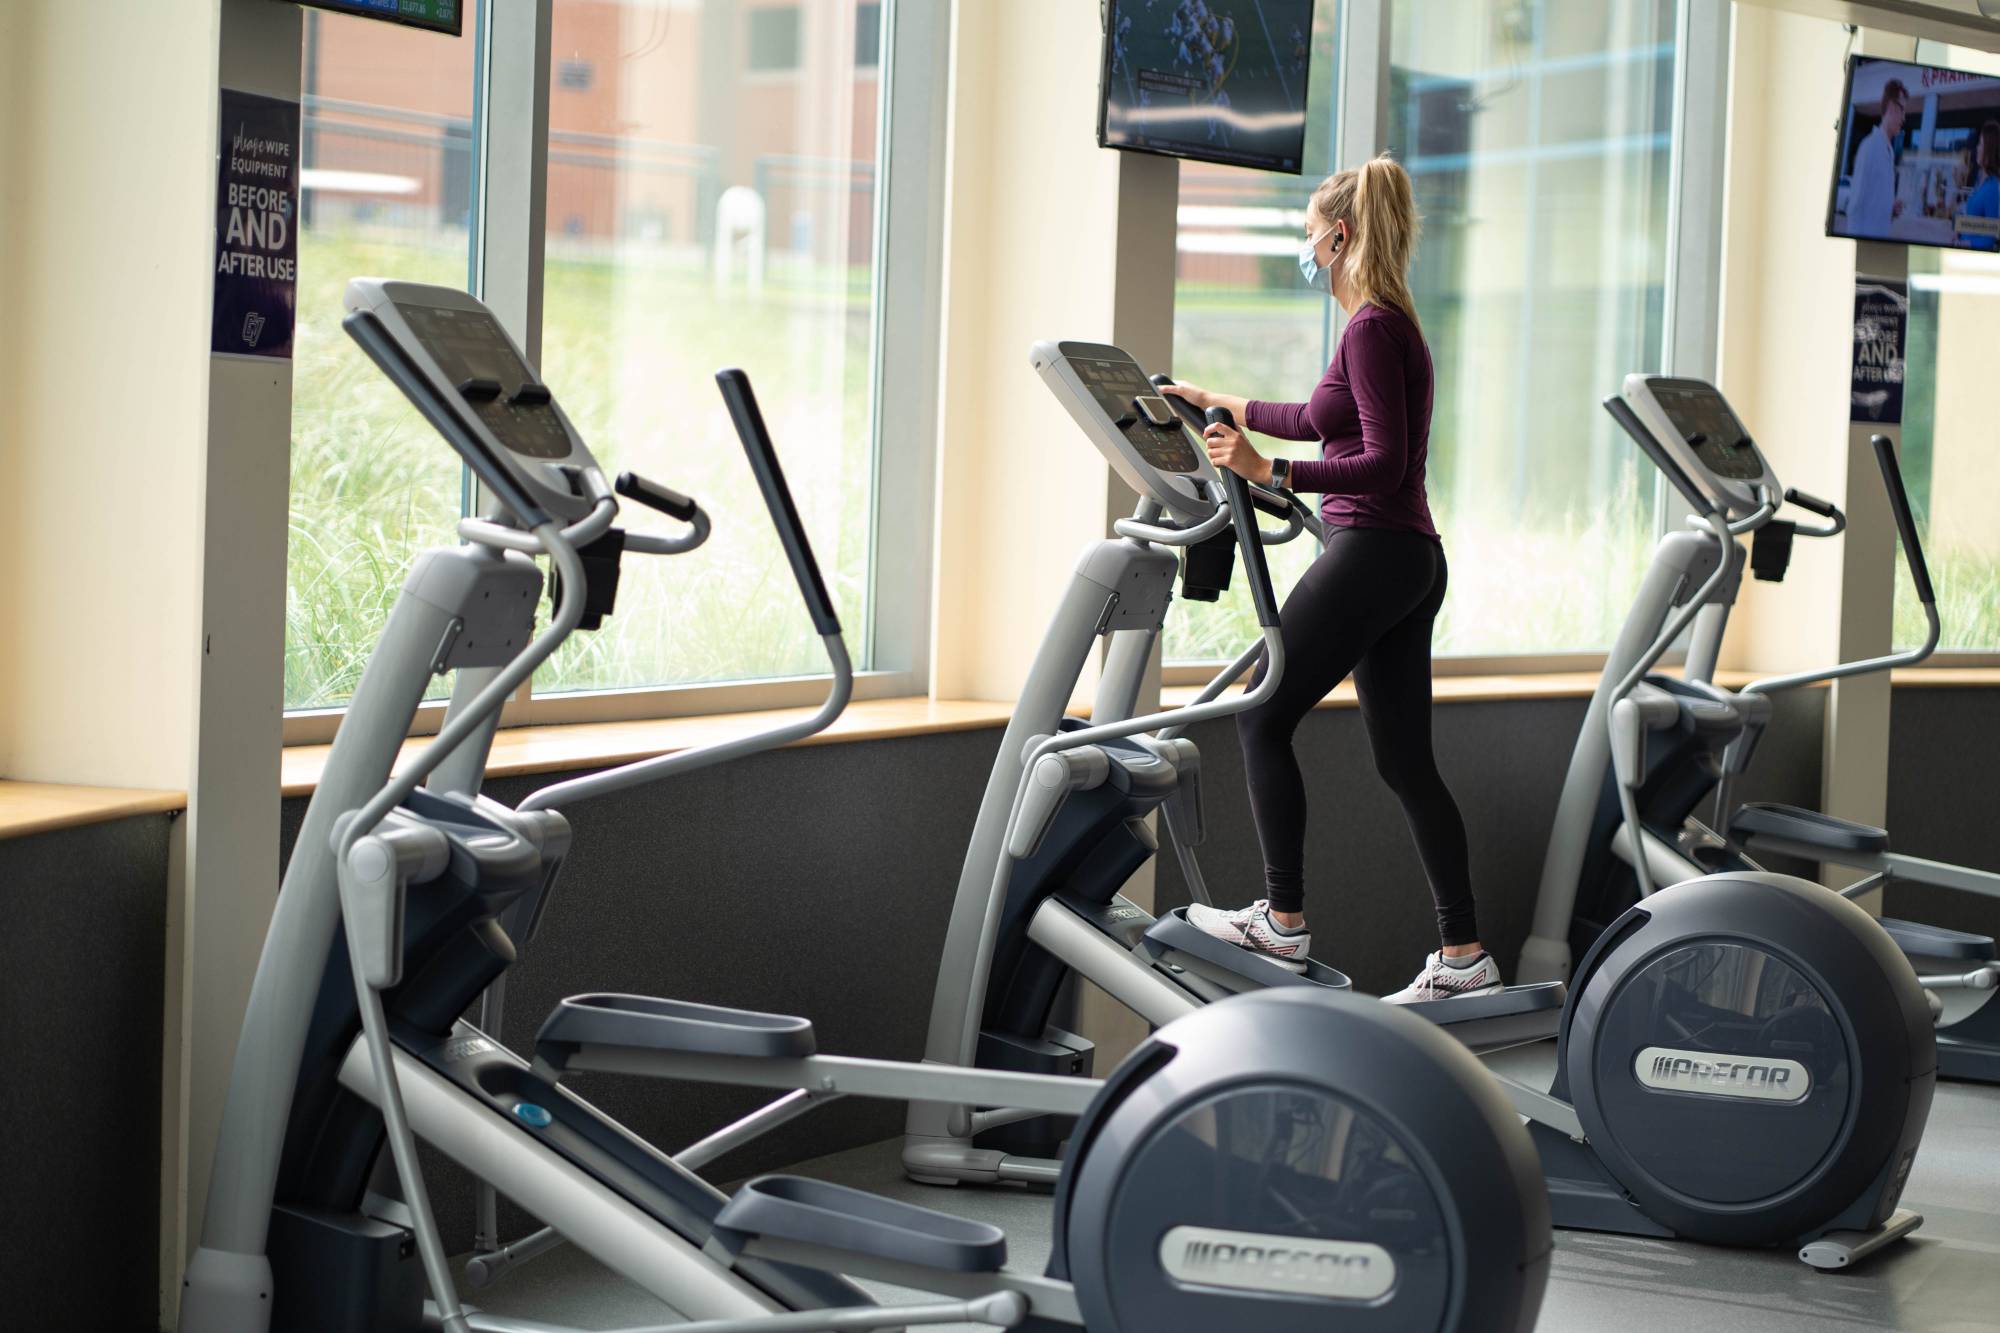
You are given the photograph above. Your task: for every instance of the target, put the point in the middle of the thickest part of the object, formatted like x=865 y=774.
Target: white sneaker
x=1252 y=928
x=1439 y=980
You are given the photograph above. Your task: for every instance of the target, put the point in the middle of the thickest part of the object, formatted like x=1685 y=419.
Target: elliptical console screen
x=1116 y=387
x=469 y=347
x=1704 y=419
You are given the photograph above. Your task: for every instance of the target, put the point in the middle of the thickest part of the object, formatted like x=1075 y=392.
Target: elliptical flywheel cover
x=1285 y=1161
x=1746 y=1052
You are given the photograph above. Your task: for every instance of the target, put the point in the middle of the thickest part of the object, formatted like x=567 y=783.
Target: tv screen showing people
x=1214 y=80
x=1919 y=156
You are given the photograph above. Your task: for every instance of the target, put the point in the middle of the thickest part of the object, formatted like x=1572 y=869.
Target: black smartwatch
x=1281 y=473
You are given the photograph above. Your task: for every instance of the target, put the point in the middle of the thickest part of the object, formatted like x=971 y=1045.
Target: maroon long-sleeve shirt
x=1371 y=413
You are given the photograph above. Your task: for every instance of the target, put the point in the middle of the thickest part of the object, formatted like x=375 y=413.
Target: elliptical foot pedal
x=643 y=1023
x=1515 y=1016
x=1920 y=940
x=1807 y=832
x=1174 y=940
x=814 y=1212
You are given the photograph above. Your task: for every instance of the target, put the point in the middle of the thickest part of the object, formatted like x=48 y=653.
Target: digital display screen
x=1704 y=420
x=446 y=16
x=1214 y=80
x=468 y=345
x=1116 y=386
x=1919 y=157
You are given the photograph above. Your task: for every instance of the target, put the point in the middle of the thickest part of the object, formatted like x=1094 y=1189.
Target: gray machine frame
x=470 y=609
x=1691 y=586
x=367 y=842
x=1120 y=591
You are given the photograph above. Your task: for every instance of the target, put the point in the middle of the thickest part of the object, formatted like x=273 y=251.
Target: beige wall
x=13 y=111
x=1030 y=253
x=1787 y=311
x=108 y=204
x=1965 y=463
x=1786 y=346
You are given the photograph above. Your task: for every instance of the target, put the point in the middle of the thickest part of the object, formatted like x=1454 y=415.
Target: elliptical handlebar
x=1143 y=530
x=1826 y=509
x=1906 y=522
x=1255 y=568
x=1920 y=574
x=651 y=494
x=762 y=455
x=1273 y=500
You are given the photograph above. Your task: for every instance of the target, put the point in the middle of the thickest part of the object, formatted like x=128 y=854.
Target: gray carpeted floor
x=1945 y=1280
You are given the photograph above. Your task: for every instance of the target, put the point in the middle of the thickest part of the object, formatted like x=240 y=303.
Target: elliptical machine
x=1746 y=1058
x=1743 y=1060
x=1063 y=825
x=1269 y=1164
x=1656 y=748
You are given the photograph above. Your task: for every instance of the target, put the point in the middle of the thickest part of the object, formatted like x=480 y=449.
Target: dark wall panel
x=1366 y=896
x=1944 y=797
x=814 y=881
x=1367 y=899
x=82 y=983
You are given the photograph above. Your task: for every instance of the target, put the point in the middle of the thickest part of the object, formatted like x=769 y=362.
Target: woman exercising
x=1367 y=604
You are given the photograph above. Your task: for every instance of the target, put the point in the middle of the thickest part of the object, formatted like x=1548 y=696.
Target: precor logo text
x=1294 y=1265
x=1754 y=1078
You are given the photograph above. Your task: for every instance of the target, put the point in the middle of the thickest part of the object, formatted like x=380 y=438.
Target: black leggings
x=1365 y=606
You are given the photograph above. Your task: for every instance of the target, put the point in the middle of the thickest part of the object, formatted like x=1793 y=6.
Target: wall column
x=1046 y=236
x=1786 y=348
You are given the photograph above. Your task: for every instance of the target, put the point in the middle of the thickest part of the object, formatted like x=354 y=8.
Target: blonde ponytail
x=1380 y=210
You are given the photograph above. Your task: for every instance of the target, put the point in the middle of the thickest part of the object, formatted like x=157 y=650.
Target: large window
x=387 y=184
x=1243 y=322
x=1949 y=458
x=1950 y=463
x=711 y=202
x=1539 y=138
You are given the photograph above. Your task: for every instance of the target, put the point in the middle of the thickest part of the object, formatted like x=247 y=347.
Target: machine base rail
x=1005 y=1309
x=1842 y=1249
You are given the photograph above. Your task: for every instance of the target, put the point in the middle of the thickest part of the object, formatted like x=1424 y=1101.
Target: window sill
x=523 y=751
x=43 y=807
x=1582 y=684
x=40 y=807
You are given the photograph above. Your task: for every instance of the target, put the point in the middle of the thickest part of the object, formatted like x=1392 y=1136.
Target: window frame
x=510 y=195
x=1693 y=281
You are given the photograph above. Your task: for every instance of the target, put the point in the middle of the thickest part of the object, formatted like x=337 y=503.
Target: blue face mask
x=1318 y=276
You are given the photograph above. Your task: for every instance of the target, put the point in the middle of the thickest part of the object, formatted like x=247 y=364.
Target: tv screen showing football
x=1213 y=80
x=1919 y=157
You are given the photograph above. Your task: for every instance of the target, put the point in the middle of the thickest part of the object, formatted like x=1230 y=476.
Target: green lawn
x=631 y=350
x=631 y=347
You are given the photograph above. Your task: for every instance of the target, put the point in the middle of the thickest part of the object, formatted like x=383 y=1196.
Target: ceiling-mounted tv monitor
x=1919 y=156
x=446 y=16
x=1212 y=80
